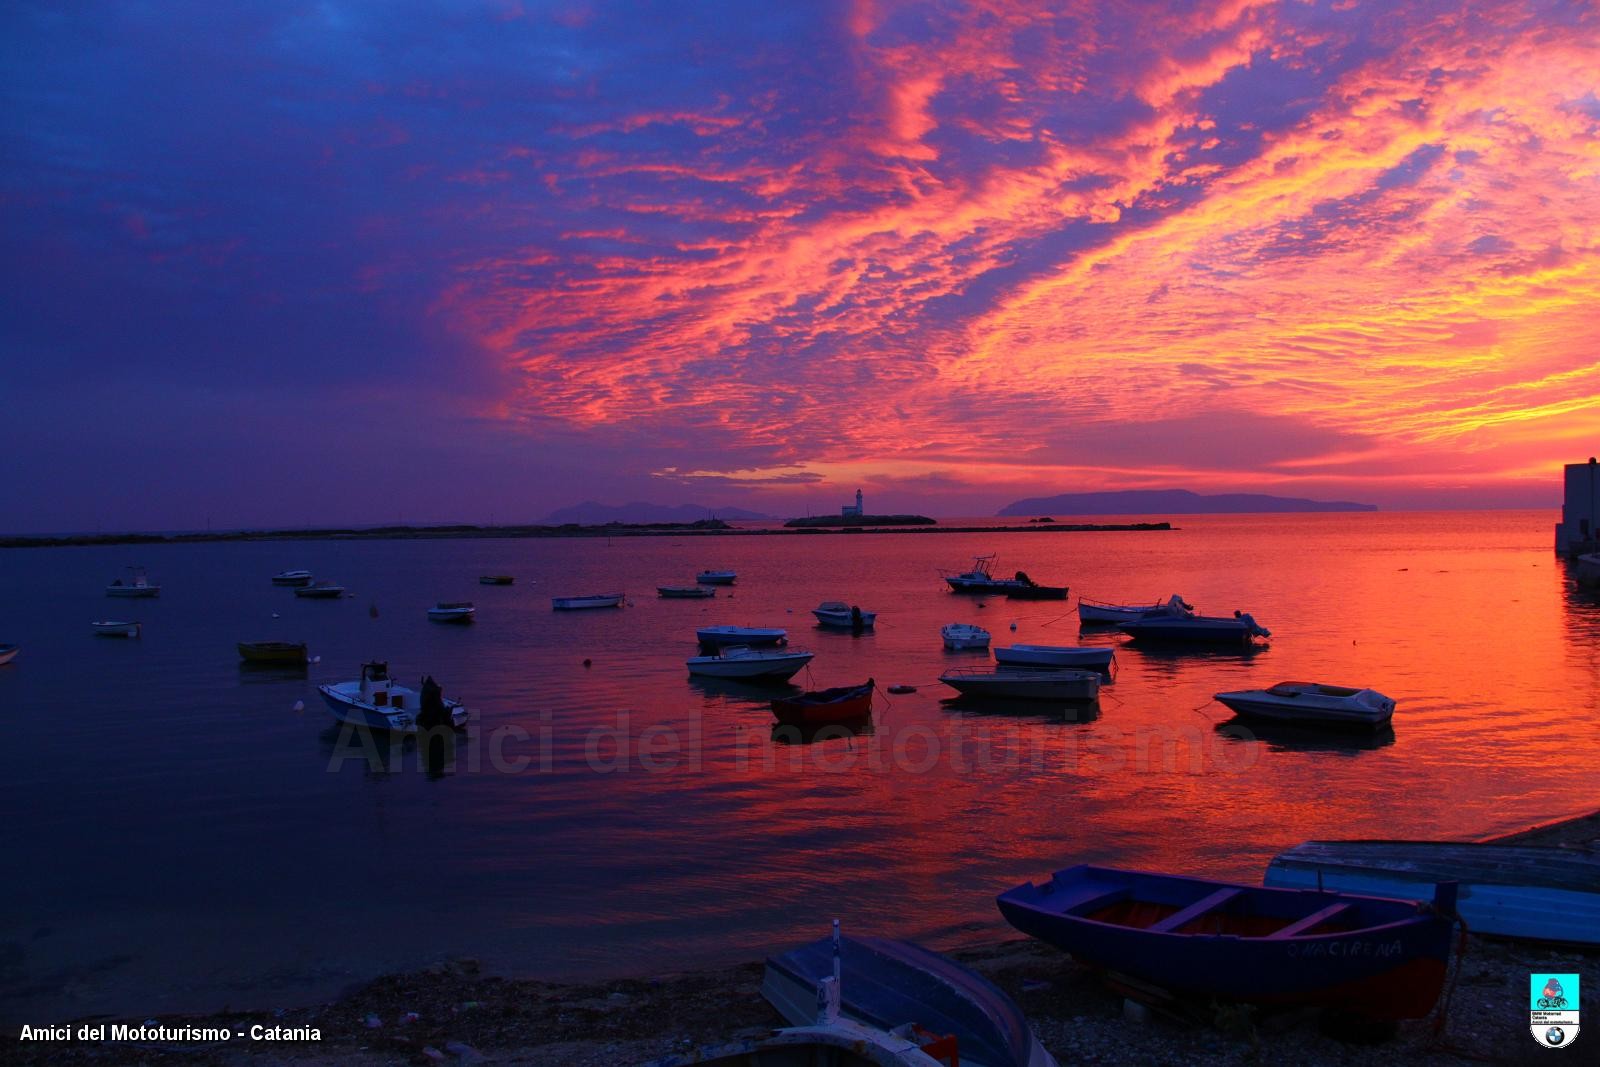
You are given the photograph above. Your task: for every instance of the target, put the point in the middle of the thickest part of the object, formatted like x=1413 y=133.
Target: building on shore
x=855 y=510
x=1579 y=529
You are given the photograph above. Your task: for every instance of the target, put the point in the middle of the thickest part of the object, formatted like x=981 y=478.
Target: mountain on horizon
x=1171 y=502
x=590 y=513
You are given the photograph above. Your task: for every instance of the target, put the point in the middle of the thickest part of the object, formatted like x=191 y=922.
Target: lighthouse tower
x=847 y=510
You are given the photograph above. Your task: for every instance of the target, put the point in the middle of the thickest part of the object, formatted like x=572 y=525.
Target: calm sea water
x=178 y=836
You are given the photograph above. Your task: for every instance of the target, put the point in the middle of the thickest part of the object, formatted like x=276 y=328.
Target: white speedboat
x=295 y=578
x=1311 y=704
x=116 y=628
x=1100 y=613
x=375 y=701
x=715 y=636
x=742 y=661
x=580 y=603
x=456 y=611
x=320 y=591
x=7 y=654
x=136 y=585
x=716 y=577
x=838 y=613
x=959 y=635
x=1023 y=683
x=1082 y=657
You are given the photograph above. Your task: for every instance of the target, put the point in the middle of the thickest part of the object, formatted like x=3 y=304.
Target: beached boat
x=1099 y=613
x=1518 y=891
x=981 y=579
x=716 y=636
x=320 y=591
x=716 y=577
x=838 y=613
x=375 y=701
x=844 y=703
x=742 y=661
x=1311 y=704
x=581 y=603
x=495 y=579
x=116 y=628
x=1216 y=940
x=1081 y=657
x=458 y=611
x=1195 y=629
x=8 y=653
x=137 y=585
x=960 y=635
x=294 y=578
x=885 y=984
x=1023 y=683
x=685 y=592
x=282 y=652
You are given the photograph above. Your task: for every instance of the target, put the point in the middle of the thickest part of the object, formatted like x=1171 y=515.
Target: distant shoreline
x=711 y=528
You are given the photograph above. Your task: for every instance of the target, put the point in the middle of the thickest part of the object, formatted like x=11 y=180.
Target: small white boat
x=8 y=653
x=457 y=611
x=715 y=636
x=742 y=661
x=959 y=635
x=320 y=591
x=375 y=701
x=114 y=628
x=136 y=585
x=1101 y=613
x=838 y=613
x=1082 y=657
x=1023 y=683
x=292 y=578
x=593 y=600
x=716 y=577
x=1311 y=704
x=685 y=592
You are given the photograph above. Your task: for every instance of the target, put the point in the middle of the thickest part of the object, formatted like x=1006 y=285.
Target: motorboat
x=8 y=653
x=495 y=579
x=1242 y=629
x=1028 y=589
x=320 y=591
x=375 y=701
x=581 y=603
x=716 y=577
x=1023 y=683
x=838 y=613
x=1219 y=941
x=1100 y=613
x=1516 y=891
x=960 y=635
x=742 y=661
x=295 y=578
x=115 y=628
x=1081 y=657
x=981 y=579
x=885 y=984
x=686 y=592
x=137 y=585
x=716 y=636
x=452 y=611
x=291 y=653
x=1311 y=704
x=844 y=703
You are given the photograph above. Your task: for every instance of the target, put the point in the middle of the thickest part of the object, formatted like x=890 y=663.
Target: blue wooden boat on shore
x=1382 y=958
x=1516 y=891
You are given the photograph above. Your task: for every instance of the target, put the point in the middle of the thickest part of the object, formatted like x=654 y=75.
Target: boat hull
x=841 y=704
x=1261 y=704
x=281 y=652
x=1085 y=659
x=133 y=590
x=775 y=667
x=1038 y=592
x=685 y=592
x=717 y=636
x=117 y=629
x=958 y=638
x=1025 y=683
x=348 y=707
x=585 y=603
x=8 y=653
x=716 y=577
x=320 y=592
x=292 y=578
x=842 y=620
x=1191 y=631
x=496 y=579
x=458 y=616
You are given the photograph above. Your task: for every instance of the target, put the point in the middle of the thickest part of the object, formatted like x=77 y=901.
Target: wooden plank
x=1195 y=910
x=1316 y=918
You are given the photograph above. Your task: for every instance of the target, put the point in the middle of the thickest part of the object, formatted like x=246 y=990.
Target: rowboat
x=8 y=653
x=495 y=579
x=292 y=578
x=1311 y=704
x=959 y=635
x=580 y=603
x=685 y=592
x=375 y=701
x=1195 y=629
x=716 y=577
x=838 y=613
x=1216 y=940
x=1098 y=612
x=1081 y=657
x=1023 y=683
x=113 y=628
x=717 y=636
x=742 y=661
x=320 y=591
x=844 y=703
x=886 y=984
x=136 y=586
x=1519 y=891
x=273 y=652
x=459 y=611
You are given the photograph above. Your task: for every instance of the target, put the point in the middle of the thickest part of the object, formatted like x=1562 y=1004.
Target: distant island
x=1171 y=502
x=638 y=512
x=815 y=521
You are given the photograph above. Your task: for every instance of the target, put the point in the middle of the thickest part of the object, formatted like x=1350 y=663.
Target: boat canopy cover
x=375 y=671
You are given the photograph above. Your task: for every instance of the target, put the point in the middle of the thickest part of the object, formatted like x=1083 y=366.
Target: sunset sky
x=284 y=263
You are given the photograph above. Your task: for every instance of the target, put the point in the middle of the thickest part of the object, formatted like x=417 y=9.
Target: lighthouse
x=857 y=510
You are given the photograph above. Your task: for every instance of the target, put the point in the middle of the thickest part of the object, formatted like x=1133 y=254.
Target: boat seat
x=1315 y=919
x=1194 y=911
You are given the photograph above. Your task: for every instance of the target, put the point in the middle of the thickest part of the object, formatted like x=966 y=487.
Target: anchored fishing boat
x=981 y=579
x=295 y=578
x=1081 y=657
x=845 y=703
x=137 y=585
x=1099 y=613
x=685 y=592
x=320 y=591
x=375 y=701
x=1311 y=704
x=1242 y=629
x=716 y=577
x=742 y=661
x=116 y=628
x=582 y=603
x=1023 y=683
x=838 y=613
x=280 y=652
x=716 y=636
x=459 y=611
x=1217 y=940
x=963 y=635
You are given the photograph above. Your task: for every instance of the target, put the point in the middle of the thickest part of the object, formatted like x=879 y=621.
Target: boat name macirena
x=1345 y=948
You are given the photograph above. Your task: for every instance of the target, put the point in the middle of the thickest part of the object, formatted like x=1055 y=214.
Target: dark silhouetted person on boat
x=434 y=726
